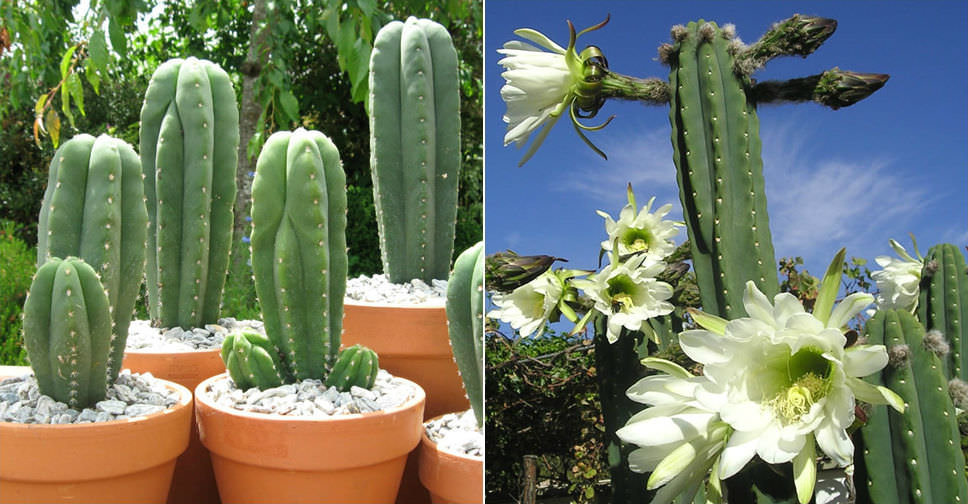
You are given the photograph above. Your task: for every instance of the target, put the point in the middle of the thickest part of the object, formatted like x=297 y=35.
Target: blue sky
x=890 y=165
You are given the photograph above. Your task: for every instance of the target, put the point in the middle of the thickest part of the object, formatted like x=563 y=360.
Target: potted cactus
x=299 y=262
x=189 y=152
x=69 y=339
x=414 y=108
x=455 y=475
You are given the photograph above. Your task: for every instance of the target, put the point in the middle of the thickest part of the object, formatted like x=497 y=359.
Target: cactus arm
x=356 y=366
x=927 y=460
x=134 y=233
x=225 y=157
x=249 y=359
x=943 y=305
x=448 y=154
x=194 y=101
x=36 y=324
x=385 y=139
x=464 y=323
x=338 y=259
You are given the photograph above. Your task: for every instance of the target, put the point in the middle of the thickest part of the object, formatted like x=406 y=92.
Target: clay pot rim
x=185 y=399
x=399 y=306
x=145 y=351
x=201 y=395
x=424 y=438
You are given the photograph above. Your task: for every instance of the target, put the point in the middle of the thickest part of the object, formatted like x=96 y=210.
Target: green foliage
x=542 y=399
x=801 y=284
x=364 y=247
x=17 y=267
x=238 y=299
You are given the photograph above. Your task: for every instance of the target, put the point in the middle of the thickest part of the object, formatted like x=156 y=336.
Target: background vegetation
x=68 y=67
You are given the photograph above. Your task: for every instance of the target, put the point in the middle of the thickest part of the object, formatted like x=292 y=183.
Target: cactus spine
x=414 y=108
x=915 y=456
x=189 y=154
x=465 y=323
x=715 y=136
x=299 y=249
x=94 y=209
x=67 y=332
x=356 y=366
x=251 y=360
x=943 y=304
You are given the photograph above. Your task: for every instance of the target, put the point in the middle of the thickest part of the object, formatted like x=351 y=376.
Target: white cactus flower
x=897 y=283
x=531 y=305
x=783 y=381
x=641 y=231
x=628 y=294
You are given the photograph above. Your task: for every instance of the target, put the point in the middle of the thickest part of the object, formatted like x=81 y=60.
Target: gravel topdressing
x=131 y=396
x=457 y=433
x=310 y=398
x=143 y=337
x=377 y=289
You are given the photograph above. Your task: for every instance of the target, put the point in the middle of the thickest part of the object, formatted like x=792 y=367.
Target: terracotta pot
x=117 y=461
x=450 y=478
x=272 y=458
x=412 y=343
x=194 y=480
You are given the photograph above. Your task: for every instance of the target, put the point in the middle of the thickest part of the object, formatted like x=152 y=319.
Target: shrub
x=17 y=266
x=542 y=399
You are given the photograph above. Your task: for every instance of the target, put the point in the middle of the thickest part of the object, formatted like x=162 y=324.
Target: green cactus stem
x=67 y=332
x=715 y=135
x=299 y=249
x=414 y=108
x=914 y=457
x=94 y=209
x=251 y=360
x=189 y=153
x=356 y=366
x=465 y=323
x=943 y=304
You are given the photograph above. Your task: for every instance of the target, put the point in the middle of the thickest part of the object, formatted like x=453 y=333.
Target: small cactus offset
x=251 y=360
x=465 y=323
x=299 y=249
x=94 y=209
x=414 y=108
x=943 y=304
x=67 y=332
x=189 y=154
x=356 y=366
x=915 y=456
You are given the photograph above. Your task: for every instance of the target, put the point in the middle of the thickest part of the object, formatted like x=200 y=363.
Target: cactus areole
x=189 y=154
x=414 y=108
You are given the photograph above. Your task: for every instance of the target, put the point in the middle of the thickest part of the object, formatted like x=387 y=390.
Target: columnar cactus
x=356 y=366
x=465 y=323
x=943 y=304
x=414 y=108
x=94 y=209
x=914 y=456
x=67 y=332
x=189 y=154
x=299 y=249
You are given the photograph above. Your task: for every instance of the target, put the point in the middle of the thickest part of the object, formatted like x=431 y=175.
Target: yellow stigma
x=623 y=299
x=796 y=401
x=638 y=245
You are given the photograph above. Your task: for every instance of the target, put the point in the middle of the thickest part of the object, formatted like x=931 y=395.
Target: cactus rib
x=465 y=307
x=943 y=305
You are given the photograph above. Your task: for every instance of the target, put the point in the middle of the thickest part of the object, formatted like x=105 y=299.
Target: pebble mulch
x=131 y=396
x=311 y=398
x=457 y=433
x=142 y=336
x=377 y=289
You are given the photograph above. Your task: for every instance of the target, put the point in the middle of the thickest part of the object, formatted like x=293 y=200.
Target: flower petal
x=703 y=346
x=862 y=360
x=757 y=304
x=662 y=430
x=661 y=389
x=738 y=452
x=875 y=394
x=674 y=463
x=835 y=443
x=774 y=448
x=805 y=472
x=848 y=308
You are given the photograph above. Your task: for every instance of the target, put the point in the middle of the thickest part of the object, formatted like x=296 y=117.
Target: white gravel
x=377 y=289
x=310 y=398
x=131 y=396
x=457 y=433
x=142 y=336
